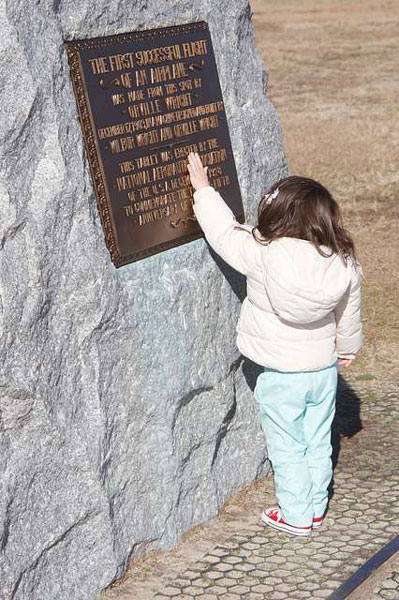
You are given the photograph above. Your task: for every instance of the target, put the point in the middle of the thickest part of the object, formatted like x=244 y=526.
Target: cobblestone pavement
x=388 y=588
x=257 y=563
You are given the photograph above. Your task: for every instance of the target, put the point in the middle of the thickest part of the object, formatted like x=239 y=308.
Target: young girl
x=300 y=319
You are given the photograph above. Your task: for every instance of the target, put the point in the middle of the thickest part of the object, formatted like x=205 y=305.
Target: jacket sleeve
x=231 y=240
x=349 y=338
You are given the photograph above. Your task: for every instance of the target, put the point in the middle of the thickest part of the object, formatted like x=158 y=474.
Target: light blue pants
x=296 y=413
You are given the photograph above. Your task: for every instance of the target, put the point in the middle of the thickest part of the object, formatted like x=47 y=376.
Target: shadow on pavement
x=347 y=420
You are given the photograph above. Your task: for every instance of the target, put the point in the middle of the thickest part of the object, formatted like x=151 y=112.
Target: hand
x=198 y=174
x=345 y=362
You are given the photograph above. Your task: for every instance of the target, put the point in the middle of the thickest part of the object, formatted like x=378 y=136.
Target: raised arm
x=231 y=240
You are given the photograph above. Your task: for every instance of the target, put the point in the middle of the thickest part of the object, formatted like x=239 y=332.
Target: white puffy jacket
x=302 y=310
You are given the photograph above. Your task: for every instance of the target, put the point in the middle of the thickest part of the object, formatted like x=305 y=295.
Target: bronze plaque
x=145 y=100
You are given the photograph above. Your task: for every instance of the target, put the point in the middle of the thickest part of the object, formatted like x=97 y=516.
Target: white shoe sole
x=283 y=527
x=318 y=524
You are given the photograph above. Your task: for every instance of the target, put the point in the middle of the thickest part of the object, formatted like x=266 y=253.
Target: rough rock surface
x=126 y=411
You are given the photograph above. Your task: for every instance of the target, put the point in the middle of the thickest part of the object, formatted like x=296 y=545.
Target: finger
x=198 y=159
x=192 y=164
x=195 y=162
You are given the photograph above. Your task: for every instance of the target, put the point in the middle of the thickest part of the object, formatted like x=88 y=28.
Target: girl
x=300 y=319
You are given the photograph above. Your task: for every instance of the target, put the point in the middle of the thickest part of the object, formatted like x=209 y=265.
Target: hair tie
x=271 y=196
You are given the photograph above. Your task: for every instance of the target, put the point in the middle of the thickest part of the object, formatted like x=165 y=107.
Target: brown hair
x=304 y=209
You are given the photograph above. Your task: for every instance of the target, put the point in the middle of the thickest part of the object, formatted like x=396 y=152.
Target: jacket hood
x=302 y=285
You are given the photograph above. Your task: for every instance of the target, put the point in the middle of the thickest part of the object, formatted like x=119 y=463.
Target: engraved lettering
x=156 y=215
x=117 y=99
x=141 y=77
x=99 y=65
x=118 y=62
x=174 y=71
x=144 y=105
x=179 y=101
x=125 y=182
x=146 y=57
x=194 y=48
x=145 y=108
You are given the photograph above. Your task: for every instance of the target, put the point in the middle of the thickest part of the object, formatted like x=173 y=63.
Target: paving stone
x=171 y=592
x=203 y=582
x=235 y=574
x=284 y=587
x=308 y=586
x=321 y=593
x=248 y=580
x=246 y=567
x=227 y=582
x=291 y=566
x=233 y=560
x=286 y=552
x=332 y=563
x=331 y=585
x=214 y=575
x=314 y=578
x=228 y=545
x=249 y=546
x=239 y=589
x=193 y=591
x=279 y=560
x=388 y=594
x=272 y=580
x=223 y=567
x=180 y=583
x=260 y=573
x=283 y=573
x=218 y=590
x=260 y=539
x=255 y=560
x=211 y=559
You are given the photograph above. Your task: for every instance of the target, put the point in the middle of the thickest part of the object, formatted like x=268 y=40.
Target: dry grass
x=333 y=78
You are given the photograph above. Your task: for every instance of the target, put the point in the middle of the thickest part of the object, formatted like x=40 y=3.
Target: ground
x=332 y=76
x=235 y=557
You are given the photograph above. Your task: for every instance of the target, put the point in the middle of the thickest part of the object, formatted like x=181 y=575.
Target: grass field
x=333 y=76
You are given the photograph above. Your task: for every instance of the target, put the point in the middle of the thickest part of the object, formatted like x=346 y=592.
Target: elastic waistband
x=334 y=365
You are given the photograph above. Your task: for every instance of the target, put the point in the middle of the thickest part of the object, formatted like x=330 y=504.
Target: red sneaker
x=317 y=521
x=273 y=518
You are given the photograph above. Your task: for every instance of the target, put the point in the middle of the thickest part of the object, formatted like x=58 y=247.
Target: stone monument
x=126 y=411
